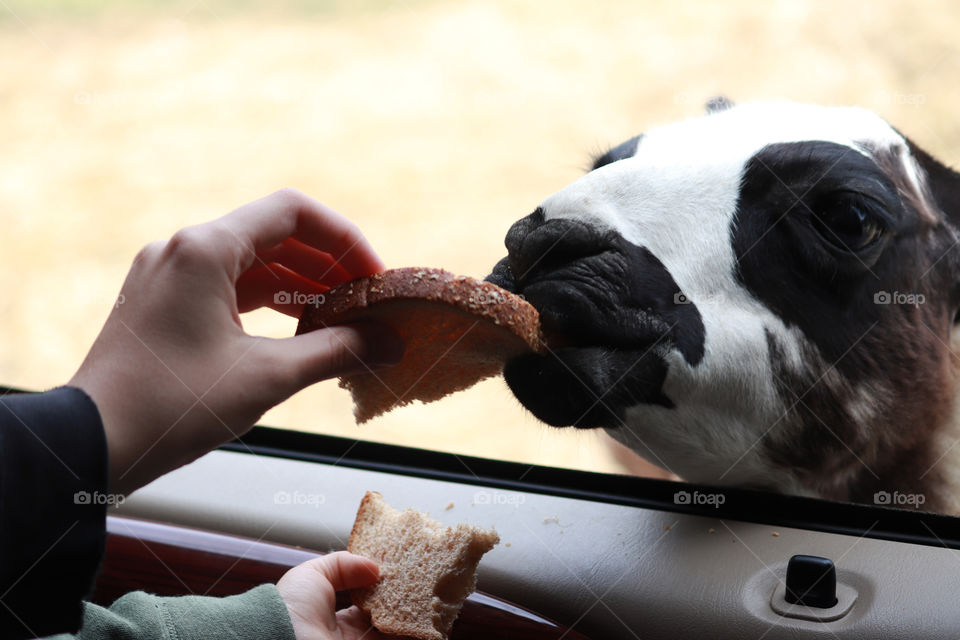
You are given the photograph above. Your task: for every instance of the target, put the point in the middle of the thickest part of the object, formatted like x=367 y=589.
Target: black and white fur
x=714 y=289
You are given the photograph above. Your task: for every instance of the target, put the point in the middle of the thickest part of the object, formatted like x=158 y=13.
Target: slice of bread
x=427 y=570
x=457 y=331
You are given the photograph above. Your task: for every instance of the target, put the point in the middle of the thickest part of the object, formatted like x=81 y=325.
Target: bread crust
x=458 y=331
x=368 y=498
x=475 y=297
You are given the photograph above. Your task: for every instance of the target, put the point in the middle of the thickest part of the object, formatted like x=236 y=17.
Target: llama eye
x=848 y=223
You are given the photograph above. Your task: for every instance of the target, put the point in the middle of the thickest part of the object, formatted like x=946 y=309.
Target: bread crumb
x=666 y=527
x=448 y=507
x=554 y=519
x=507 y=544
x=711 y=530
x=776 y=535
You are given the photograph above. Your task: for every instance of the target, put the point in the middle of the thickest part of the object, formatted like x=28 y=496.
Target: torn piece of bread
x=427 y=570
x=457 y=331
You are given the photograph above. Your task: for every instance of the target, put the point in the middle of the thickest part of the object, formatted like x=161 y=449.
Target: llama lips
x=563 y=329
x=554 y=332
x=594 y=326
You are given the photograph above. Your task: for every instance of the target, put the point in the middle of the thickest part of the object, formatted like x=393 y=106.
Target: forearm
x=258 y=613
x=53 y=496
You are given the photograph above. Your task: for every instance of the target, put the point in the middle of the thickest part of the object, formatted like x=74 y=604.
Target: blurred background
x=434 y=125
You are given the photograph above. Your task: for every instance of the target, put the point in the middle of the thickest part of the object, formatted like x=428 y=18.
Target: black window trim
x=760 y=507
x=747 y=505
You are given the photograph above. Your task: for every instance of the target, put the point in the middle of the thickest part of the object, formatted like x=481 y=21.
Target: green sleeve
x=258 y=613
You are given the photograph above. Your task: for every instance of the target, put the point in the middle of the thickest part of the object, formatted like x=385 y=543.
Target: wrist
x=119 y=456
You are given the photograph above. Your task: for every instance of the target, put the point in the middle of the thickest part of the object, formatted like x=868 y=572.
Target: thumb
x=345 y=570
x=340 y=350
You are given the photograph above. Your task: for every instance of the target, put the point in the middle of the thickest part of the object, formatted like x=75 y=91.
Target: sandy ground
x=433 y=125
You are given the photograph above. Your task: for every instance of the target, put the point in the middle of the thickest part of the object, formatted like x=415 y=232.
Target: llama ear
x=717 y=104
x=943 y=185
x=942 y=182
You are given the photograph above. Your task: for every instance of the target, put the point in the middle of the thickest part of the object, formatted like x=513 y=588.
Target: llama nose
x=537 y=246
x=502 y=276
x=504 y=272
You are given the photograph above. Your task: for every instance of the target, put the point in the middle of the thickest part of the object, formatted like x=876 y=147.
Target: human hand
x=174 y=374
x=309 y=590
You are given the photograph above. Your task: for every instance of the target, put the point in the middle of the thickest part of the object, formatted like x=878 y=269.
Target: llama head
x=763 y=296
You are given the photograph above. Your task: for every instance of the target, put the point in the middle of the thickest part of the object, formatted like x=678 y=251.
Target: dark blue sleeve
x=53 y=484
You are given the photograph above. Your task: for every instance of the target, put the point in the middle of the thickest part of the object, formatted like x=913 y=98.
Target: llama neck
x=925 y=476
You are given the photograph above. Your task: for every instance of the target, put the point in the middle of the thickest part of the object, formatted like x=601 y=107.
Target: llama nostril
x=519 y=265
x=502 y=276
x=518 y=258
x=520 y=229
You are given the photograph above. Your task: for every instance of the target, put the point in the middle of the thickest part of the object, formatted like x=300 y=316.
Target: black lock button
x=811 y=581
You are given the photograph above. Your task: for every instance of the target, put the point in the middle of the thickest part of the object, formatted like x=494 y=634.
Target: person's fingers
x=288 y=213
x=276 y=287
x=337 y=351
x=318 y=266
x=354 y=624
x=345 y=570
